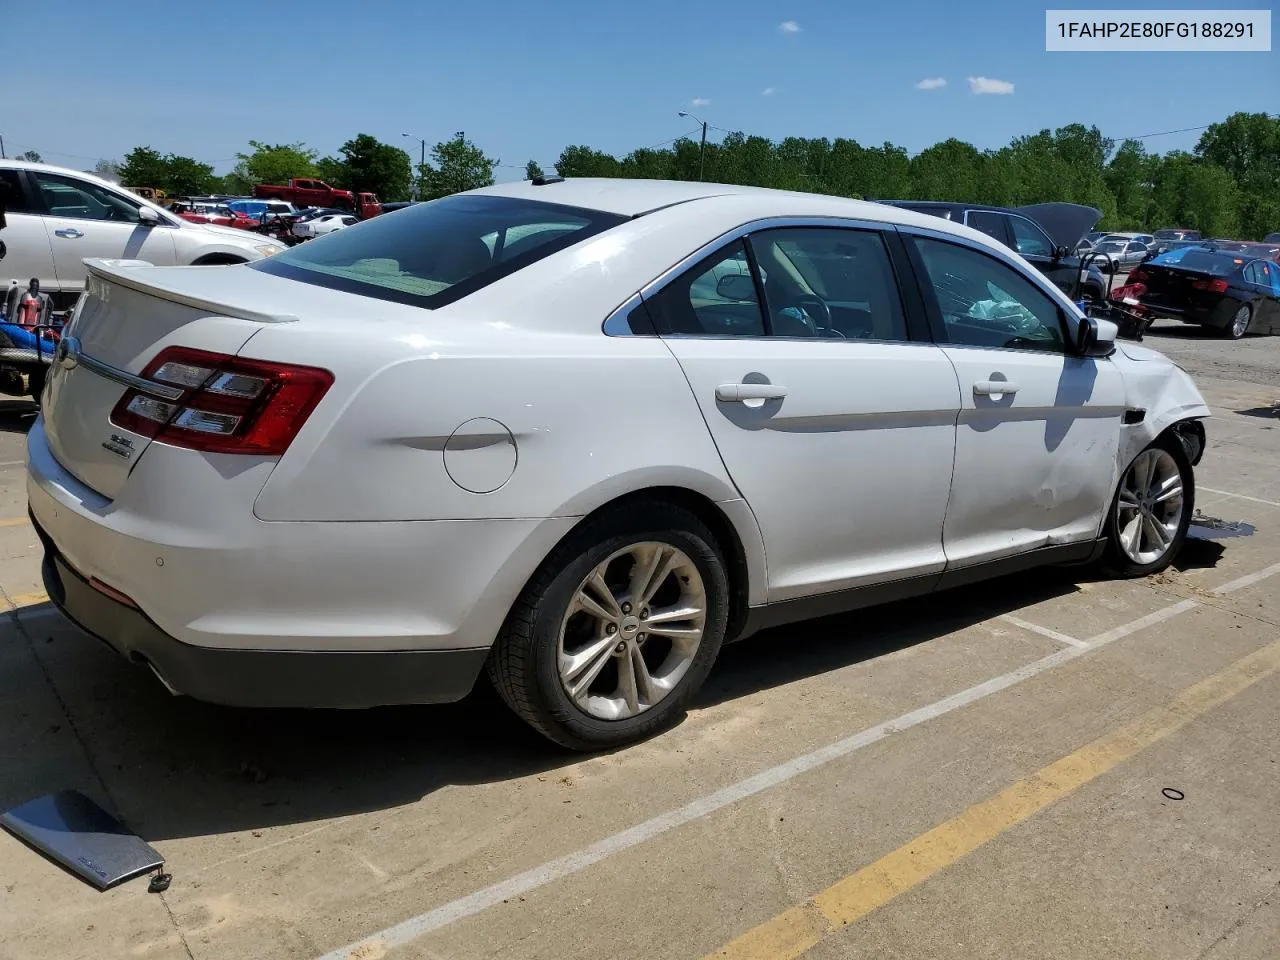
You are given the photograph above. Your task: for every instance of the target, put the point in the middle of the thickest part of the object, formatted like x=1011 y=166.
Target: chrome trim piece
x=70 y=356
x=616 y=325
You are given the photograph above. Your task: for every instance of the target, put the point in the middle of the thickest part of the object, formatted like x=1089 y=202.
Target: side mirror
x=1095 y=337
x=736 y=286
x=3 y=249
x=148 y=217
x=1060 y=253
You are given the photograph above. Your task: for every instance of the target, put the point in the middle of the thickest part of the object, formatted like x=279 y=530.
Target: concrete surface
x=296 y=834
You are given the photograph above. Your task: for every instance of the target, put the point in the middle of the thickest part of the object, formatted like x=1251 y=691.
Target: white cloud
x=700 y=102
x=768 y=91
x=932 y=83
x=981 y=85
x=788 y=26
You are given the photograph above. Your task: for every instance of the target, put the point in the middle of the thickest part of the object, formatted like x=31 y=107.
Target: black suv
x=1045 y=234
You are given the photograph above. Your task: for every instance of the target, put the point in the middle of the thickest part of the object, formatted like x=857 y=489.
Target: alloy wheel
x=632 y=630
x=1149 y=507
x=1240 y=323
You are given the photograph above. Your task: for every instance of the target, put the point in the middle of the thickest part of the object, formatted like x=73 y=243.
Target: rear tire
x=1151 y=510
x=1239 y=324
x=35 y=384
x=573 y=659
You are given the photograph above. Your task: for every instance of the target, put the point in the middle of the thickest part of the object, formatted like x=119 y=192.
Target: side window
x=12 y=196
x=986 y=303
x=1029 y=240
x=1137 y=247
x=1251 y=273
x=82 y=200
x=716 y=297
x=829 y=282
x=992 y=224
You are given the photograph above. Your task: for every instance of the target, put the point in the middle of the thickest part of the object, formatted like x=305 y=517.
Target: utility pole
x=702 y=153
x=417 y=192
x=702 y=149
x=2 y=156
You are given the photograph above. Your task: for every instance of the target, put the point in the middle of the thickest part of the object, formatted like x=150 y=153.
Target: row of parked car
x=278 y=218
x=1230 y=286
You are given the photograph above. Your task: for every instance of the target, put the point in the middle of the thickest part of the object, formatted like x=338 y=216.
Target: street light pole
x=421 y=163
x=702 y=148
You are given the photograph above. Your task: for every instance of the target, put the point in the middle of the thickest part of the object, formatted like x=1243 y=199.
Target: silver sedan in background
x=1118 y=256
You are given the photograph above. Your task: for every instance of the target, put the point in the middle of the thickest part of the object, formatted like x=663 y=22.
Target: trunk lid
x=1174 y=289
x=130 y=311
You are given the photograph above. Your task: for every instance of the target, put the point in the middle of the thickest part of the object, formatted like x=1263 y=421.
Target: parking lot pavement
x=974 y=775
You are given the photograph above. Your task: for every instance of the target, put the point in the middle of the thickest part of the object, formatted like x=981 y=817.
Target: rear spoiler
x=140 y=275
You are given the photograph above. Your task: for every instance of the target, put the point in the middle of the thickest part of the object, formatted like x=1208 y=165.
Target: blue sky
x=524 y=79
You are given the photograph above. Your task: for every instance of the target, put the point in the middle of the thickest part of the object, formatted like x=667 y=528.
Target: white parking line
x=1043 y=631
x=569 y=864
x=1238 y=496
x=1248 y=580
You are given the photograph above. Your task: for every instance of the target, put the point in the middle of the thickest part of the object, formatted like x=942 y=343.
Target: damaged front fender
x=1159 y=395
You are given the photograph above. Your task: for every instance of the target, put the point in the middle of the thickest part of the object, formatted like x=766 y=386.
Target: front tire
x=617 y=630
x=1151 y=511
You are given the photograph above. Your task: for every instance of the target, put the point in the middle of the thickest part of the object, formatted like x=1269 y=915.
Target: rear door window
x=435 y=253
x=990 y=223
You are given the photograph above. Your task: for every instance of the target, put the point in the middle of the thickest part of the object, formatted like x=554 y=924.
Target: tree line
x=1228 y=186
x=363 y=163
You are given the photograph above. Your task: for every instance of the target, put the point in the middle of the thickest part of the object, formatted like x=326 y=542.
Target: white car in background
x=57 y=218
x=579 y=434
x=307 y=229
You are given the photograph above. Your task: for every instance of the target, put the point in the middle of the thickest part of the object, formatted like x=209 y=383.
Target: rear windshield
x=1200 y=260
x=431 y=254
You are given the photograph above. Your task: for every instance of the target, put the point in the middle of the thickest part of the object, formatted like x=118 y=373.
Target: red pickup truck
x=304 y=192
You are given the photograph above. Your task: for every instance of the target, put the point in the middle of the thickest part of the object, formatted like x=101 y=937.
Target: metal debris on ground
x=1214 y=528
x=73 y=831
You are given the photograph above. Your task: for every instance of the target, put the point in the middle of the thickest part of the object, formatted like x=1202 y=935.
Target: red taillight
x=222 y=404
x=1217 y=285
x=1138 y=275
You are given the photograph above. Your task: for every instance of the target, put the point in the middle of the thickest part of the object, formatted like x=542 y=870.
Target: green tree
x=31 y=156
x=185 y=176
x=143 y=167
x=379 y=168
x=532 y=170
x=276 y=163
x=334 y=172
x=457 y=165
x=582 y=161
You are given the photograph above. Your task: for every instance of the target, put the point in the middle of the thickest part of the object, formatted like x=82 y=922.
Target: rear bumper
x=260 y=678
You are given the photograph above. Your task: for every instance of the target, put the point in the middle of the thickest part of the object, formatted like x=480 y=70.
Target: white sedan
x=57 y=218
x=326 y=223
x=576 y=435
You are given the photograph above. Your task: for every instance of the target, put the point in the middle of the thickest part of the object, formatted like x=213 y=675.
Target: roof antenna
x=544 y=180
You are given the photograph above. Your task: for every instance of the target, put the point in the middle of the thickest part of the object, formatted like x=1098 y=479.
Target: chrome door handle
x=69 y=233
x=731 y=392
x=990 y=388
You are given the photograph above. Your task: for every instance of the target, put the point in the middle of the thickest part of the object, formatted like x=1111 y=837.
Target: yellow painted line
x=14 y=521
x=795 y=931
x=20 y=600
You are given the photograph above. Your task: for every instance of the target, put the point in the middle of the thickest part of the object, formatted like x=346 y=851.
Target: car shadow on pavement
x=785 y=654
x=79 y=716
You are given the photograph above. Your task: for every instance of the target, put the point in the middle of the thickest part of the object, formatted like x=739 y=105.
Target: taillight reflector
x=1213 y=286
x=110 y=591
x=229 y=404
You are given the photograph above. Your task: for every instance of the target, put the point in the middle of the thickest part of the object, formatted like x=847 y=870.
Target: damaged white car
x=576 y=435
